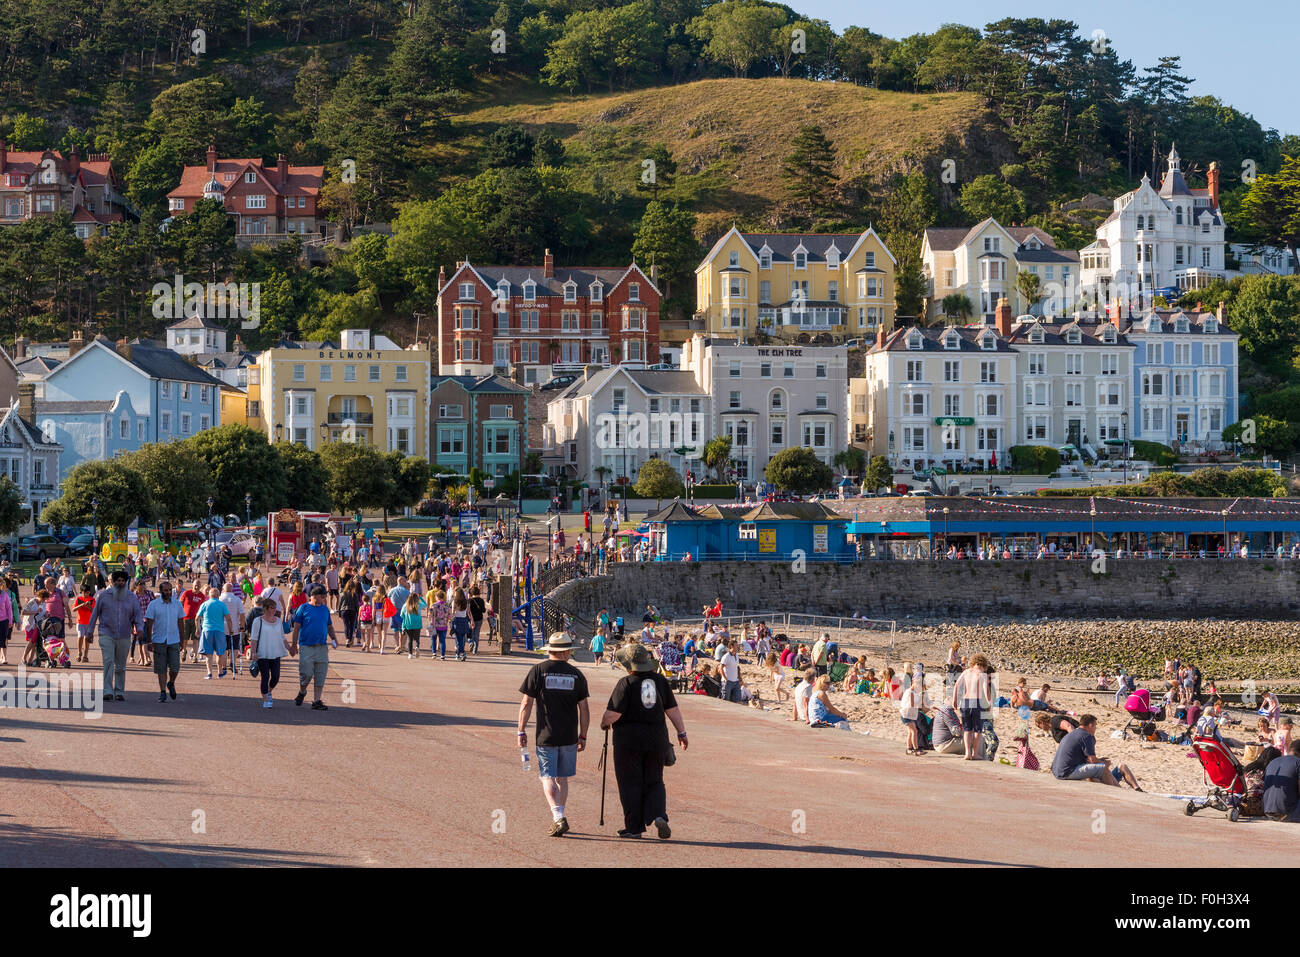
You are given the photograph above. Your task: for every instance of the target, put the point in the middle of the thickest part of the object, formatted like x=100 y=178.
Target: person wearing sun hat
x=636 y=711
x=560 y=692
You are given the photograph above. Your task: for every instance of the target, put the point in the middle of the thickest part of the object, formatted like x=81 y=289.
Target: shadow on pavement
x=22 y=846
x=798 y=849
x=54 y=776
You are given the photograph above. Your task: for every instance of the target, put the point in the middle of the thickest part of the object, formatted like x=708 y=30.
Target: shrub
x=714 y=491
x=1153 y=452
x=1034 y=459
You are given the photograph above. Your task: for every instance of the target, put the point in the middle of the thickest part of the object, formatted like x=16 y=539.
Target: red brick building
x=272 y=201
x=41 y=183
x=544 y=320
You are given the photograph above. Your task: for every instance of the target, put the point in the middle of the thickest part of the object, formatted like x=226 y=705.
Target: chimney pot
x=27 y=401
x=20 y=348
x=548 y=265
x=1002 y=318
x=212 y=158
x=1221 y=311
x=1212 y=178
x=123 y=348
x=880 y=338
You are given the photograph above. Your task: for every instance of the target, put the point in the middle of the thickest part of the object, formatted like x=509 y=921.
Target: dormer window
x=734 y=259
x=832 y=258
x=1210 y=325
x=503 y=290
x=1180 y=324
x=800 y=260
x=989 y=342
x=765 y=258
x=1153 y=324
x=1074 y=337
x=1108 y=334
x=914 y=340
x=597 y=292
x=570 y=291
x=952 y=341
x=530 y=291
x=1036 y=334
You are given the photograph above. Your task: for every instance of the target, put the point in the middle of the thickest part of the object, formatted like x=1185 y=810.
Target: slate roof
x=486 y=383
x=51 y=407
x=932 y=340
x=783 y=245
x=948 y=238
x=163 y=363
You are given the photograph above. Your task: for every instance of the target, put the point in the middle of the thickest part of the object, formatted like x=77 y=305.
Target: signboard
x=821 y=543
x=133 y=536
x=285 y=553
x=767 y=539
x=489 y=483
x=469 y=521
x=955 y=420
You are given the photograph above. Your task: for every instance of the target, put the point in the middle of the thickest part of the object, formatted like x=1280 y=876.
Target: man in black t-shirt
x=560 y=692
x=636 y=710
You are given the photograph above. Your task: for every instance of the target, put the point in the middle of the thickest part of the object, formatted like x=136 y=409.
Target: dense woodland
x=389 y=85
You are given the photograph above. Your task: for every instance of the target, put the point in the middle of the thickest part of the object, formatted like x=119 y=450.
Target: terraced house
x=795 y=286
x=540 y=321
x=37 y=183
x=363 y=388
x=479 y=422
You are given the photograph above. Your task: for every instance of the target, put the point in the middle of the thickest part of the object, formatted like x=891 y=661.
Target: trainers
x=661 y=825
x=559 y=828
x=299 y=697
x=208 y=676
x=409 y=655
x=267 y=703
x=223 y=673
x=171 y=689
x=119 y=697
x=319 y=706
x=636 y=834
x=162 y=697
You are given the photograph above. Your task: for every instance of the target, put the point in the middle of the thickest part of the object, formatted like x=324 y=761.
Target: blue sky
x=1236 y=51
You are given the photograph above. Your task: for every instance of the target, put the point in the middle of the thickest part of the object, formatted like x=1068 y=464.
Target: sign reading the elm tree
x=955 y=420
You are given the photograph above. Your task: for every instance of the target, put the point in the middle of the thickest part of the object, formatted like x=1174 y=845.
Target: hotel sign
x=792 y=353
x=955 y=420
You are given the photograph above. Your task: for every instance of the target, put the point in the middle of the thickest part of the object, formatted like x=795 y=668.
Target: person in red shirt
x=83 y=605
x=191 y=599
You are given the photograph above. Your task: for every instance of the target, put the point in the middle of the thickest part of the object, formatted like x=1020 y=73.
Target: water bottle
x=523 y=757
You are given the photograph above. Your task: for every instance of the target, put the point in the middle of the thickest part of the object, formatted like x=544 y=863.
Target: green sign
x=955 y=420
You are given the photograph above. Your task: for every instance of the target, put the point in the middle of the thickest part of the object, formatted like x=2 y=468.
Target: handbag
x=1025 y=758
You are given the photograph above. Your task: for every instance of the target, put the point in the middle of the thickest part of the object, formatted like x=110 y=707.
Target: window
x=1109 y=363
x=165 y=421
x=374 y=371
x=299 y=405
x=1035 y=428
x=620 y=399
x=451 y=411
x=952 y=341
x=951 y=403
x=597 y=292
x=1182 y=382
x=299 y=372
x=787 y=370
x=765 y=290
x=765 y=259
x=915 y=439
x=529 y=351
x=833 y=291
x=1182 y=354
x=988 y=372
x=733 y=399
x=778 y=433
x=300 y=436
x=1073 y=363
x=986 y=404
x=832 y=258
x=814 y=435
x=1211 y=354
x=402 y=441
x=634 y=291
x=203 y=423
x=530 y=291
x=1038 y=363
x=765 y=370
x=451 y=441
x=989 y=343
x=570 y=321
x=1153 y=383
x=986 y=440
x=734 y=370
x=823 y=401
x=869 y=260
x=326 y=373
x=255 y=201
x=800 y=260
x=951 y=370
x=747 y=531
x=1036 y=393
x=185 y=423
x=570 y=291
x=251 y=412
x=1074 y=393
x=821 y=370
x=401 y=373
x=916 y=403
x=185 y=390
x=124 y=428
x=914 y=370
x=734 y=259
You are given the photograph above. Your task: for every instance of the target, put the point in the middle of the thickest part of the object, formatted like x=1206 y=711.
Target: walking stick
x=604 y=773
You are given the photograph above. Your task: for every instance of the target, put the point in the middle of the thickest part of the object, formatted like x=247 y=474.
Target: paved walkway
x=423 y=770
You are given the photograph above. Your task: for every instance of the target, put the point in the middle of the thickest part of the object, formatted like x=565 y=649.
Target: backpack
x=367 y=611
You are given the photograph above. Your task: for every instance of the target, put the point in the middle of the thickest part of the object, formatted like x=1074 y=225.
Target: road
x=422 y=769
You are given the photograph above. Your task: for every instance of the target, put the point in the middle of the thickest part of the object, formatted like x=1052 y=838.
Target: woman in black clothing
x=477 y=612
x=350 y=608
x=1057 y=725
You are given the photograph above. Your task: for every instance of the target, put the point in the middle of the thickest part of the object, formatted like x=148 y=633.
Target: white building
x=1260 y=260
x=943 y=395
x=1169 y=239
x=771 y=398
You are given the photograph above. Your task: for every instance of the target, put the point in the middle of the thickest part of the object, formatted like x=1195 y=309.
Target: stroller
x=1225 y=773
x=1138 y=706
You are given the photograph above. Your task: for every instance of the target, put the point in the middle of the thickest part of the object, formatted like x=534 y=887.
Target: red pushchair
x=1225 y=773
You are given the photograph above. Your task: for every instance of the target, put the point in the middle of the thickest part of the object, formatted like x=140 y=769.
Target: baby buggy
x=1138 y=706
x=1226 y=775
x=51 y=652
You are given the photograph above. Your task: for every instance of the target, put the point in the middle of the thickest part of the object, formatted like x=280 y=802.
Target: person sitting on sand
x=802 y=692
x=1282 y=736
x=867 y=683
x=854 y=675
x=1103 y=682
x=1076 y=758
x=889 y=687
x=1057 y=725
x=1038 y=701
x=946 y=736
x=1020 y=695
x=821 y=713
x=706 y=683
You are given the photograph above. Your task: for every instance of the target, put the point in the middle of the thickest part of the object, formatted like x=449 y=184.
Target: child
x=439 y=616
x=413 y=623
x=83 y=605
x=598 y=645
x=33 y=612
x=777 y=673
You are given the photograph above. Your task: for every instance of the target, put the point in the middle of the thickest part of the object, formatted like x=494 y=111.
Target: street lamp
x=1225 y=533
x=1092 y=539
x=945 y=528
x=279 y=431
x=248 y=509
x=210 y=504
x=324 y=432
x=94 y=507
x=1123 y=418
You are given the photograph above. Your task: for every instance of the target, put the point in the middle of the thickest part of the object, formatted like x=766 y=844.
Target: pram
x=1225 y=773
x=1138 y=706
x=52 y=652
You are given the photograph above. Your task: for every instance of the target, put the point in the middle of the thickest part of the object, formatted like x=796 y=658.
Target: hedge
x=1153 y=452
x=1034 y=459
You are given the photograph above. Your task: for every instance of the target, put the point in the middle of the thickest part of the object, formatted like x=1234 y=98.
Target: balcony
x=356 y=418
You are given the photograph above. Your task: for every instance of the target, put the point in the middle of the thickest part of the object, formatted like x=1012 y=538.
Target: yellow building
x=363 y=389
x=236 y=406
x=788 y=285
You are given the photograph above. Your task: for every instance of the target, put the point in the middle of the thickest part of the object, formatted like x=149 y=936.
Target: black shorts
x=972 y=720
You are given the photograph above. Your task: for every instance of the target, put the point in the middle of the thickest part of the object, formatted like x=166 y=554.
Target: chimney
x=20 y=349
x=212 y=158
x=74 y=164
x=281 y=169
x=1002 y=318
x=123 y=348
x=27 y=400
x=654 y=274
x=4 y=154
x=239 y=344
x=1221 y=312
x=76 y=343
x=548 y=265
x=442 y=277
x=880 y=338
x=1213 y=181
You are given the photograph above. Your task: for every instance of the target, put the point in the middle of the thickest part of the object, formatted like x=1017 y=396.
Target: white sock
x=557 y=812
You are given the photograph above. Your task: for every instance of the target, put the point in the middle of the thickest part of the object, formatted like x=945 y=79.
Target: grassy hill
x=730 y=135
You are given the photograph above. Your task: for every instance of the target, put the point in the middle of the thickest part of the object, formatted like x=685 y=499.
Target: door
x=1181 y=427
x=1074 y=433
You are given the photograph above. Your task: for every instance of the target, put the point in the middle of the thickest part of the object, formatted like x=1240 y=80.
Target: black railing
x=356 y=418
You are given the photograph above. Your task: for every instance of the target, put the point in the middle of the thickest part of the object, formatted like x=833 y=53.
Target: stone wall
x=1132 y=588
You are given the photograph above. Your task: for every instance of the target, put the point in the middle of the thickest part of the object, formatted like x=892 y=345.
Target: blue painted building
x=107 y=399
x=1184 y=378
x=773 y=531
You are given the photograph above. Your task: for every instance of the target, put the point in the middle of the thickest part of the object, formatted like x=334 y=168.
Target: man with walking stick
x=560 y=692
x=636 y=711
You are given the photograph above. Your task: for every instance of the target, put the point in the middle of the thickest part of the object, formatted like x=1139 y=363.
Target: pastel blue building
x=773 y=531
x=108 y=399
x=1184 y=378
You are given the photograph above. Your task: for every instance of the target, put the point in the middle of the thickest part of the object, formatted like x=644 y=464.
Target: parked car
x=919 y=493
x=239 y=541
x=81 y=544
x=559 y=382
x=39 y=547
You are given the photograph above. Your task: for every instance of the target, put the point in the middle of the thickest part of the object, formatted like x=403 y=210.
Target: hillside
x=729 y=136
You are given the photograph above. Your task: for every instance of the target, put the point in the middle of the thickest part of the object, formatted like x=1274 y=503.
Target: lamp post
x=324 y=433
x=1123 y=418
x=945 y=528
x=210 y=504
x=884 y=526
x=279 y=431
x=94 y=508
x=1225 y=533
x=1092 y=538
x=248 y=510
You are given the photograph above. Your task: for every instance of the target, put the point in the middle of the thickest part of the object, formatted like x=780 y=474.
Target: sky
x=1240 y=52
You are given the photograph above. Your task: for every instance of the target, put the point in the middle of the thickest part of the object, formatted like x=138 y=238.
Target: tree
x=665 y=238
x=509 y=145
x=178 y=480
x=608 y=46
x=808 y=172
x=12 y=508
x=304 y=477
x=909 y=287
x=1264 y=313
x=664 y=169
x=1030 y=288
x=121 y=494
x=241 y=460
x=359 y=477
x=991 y=196
x=1273 y=205
x=409 y=476
x=799 y=471
x=1275 y=437
x=957 y=305
x=880 y=474
x=717 y=453
x=852 y=460
x=658 y=480
x=738 y=33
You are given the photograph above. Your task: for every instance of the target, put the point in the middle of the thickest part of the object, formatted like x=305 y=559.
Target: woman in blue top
x=412 y=623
